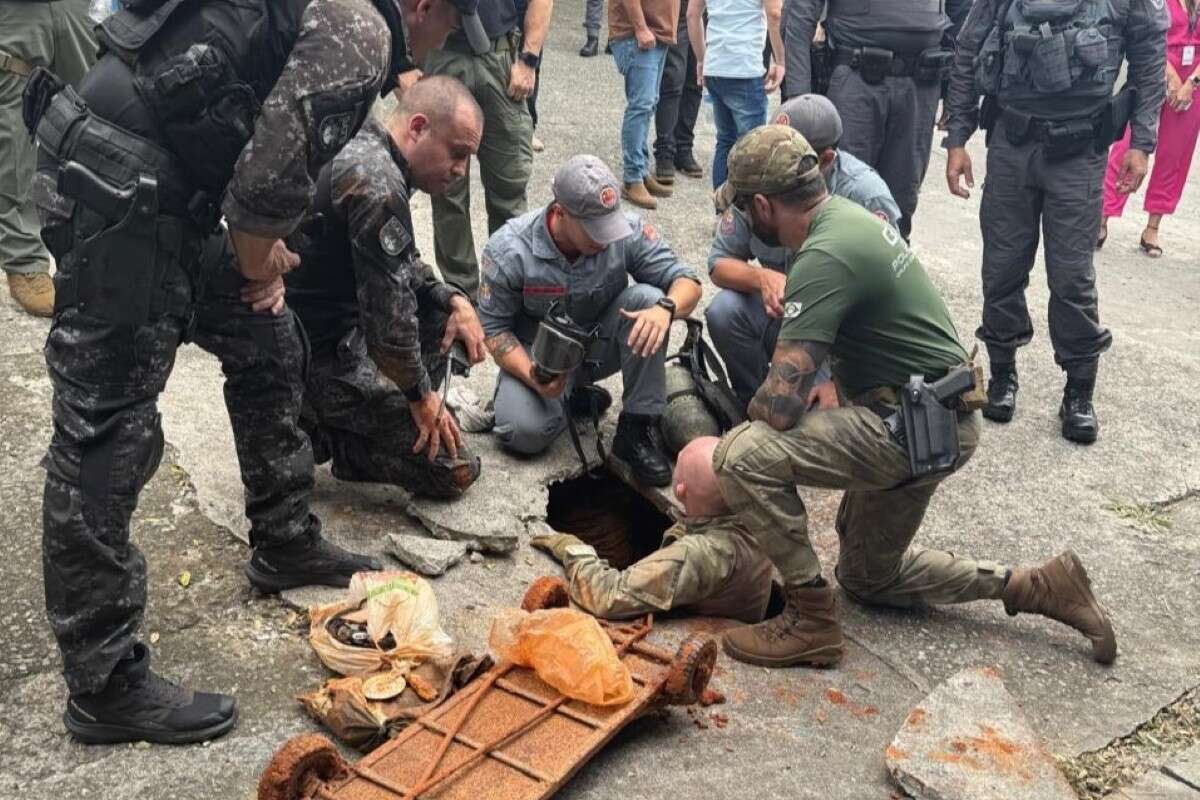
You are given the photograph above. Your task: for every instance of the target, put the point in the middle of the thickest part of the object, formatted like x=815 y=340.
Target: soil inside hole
x=605 y=512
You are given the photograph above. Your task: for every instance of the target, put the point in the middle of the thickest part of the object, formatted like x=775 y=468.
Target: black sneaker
x=637 y=443
x=314 y=561
x=1078 y=415
x=687 y=165
x=579 y=403
x=1001 y=395
x=591 y=47
x=138 y=705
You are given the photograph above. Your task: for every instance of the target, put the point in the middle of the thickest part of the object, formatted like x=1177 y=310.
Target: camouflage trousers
x=358 y=418
x=108 y=441
x=849 y=448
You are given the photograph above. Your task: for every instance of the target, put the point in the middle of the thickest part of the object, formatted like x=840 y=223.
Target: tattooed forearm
x=783 y=398
x=501 y=344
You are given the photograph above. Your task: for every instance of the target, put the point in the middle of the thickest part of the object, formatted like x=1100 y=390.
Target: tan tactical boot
x=657 y=189
x=636 y=193
x=34 y=293
x=1060 y=590
x=806 y=632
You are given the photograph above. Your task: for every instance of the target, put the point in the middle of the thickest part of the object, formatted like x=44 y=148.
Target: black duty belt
x=895 y=64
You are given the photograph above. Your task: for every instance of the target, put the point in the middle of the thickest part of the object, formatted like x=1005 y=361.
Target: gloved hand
x=556 y=544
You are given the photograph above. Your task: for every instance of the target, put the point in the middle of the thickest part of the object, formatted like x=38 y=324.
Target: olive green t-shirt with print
x=856 y=286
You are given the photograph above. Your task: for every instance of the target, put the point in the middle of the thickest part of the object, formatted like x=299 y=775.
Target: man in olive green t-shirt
x=856 y=294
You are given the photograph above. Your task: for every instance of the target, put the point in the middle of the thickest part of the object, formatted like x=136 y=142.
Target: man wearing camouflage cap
x=856 y=292
x=743 y=319
x=579 y=252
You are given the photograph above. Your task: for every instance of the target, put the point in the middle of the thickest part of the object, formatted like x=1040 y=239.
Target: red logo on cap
x=783 y=119
x=608 y=197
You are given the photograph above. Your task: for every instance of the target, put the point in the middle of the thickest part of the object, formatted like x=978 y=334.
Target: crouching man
x=857 y=293
x=578 y=254
x=379 y=322
x=709 y=563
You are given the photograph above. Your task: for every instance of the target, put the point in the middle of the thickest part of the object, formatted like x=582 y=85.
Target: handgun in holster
x=926 y=423
x=820 y=66
x=874 y=64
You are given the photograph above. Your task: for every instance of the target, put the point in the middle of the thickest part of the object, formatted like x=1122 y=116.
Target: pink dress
x=1177 y=131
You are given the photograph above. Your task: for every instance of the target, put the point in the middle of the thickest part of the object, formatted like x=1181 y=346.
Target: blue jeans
x=642 y=70
x=739 y=106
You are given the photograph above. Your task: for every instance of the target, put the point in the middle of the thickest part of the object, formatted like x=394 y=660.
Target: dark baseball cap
x=472 y=25
x=768 y=160
x=815 y=117
x=586 y=189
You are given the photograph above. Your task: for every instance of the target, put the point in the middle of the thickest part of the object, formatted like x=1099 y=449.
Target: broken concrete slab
x=969 y=740
x=1186 y=768
x=1156 y=785
x=430 y=557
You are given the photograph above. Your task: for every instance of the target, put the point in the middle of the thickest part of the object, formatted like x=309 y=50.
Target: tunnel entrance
x=605 y=512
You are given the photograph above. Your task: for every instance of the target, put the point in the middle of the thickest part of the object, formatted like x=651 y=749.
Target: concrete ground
x=1128 y=505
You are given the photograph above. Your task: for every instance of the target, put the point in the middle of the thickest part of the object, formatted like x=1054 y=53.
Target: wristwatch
x=530 y=60
x=668 y=304
x=1194 y=81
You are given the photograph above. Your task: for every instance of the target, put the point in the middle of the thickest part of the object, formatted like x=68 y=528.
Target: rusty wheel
x=546 y=592
x=690 y=671
x=297 y=768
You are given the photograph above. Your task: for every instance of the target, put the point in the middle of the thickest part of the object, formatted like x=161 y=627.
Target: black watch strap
x=531 y=60
x=668 y=304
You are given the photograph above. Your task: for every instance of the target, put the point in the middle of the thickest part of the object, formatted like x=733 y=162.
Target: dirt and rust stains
x=720 y=720
x=711 y=697
x=916 y=719
x=894 y=753
x=989 y=751
x=857 y=710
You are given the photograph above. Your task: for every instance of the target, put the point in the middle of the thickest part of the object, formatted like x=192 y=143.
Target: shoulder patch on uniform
x=393 y=238
x=649 y=232
x=783 y=119
x=792 y=310
x=727 y=222
x=485 y=291
x=487 y=264
x=335 y=116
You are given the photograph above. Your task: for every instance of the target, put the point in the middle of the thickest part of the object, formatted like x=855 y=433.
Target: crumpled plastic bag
x=394 y=604
x=568 y=650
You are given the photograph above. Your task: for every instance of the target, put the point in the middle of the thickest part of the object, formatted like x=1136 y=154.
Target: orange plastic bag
x=568 y=650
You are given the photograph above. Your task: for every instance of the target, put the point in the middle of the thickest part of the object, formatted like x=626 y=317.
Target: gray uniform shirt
x=522 y=272
x=850 y=178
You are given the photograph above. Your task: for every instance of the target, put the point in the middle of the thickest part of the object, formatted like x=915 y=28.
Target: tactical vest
x=903 y=26
x=203 y=70
x=1047 y=49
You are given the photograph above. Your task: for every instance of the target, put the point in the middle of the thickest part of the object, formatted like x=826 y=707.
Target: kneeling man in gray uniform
x=577 y=255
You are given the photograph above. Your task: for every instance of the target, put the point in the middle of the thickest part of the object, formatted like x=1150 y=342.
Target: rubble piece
x=969 y=740
x=1186 y=768
x=492 y=537
x=1156 y=785
x=430 y=557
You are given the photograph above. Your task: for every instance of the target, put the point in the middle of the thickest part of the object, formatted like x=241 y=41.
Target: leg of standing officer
x=670 y=94
x=642 y=71
x=592 y=15
x=744 y=336
x=863 y=108
x=912 y=111
x=689 y=112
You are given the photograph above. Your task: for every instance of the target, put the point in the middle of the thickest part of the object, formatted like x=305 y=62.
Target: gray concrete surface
x=791 y=733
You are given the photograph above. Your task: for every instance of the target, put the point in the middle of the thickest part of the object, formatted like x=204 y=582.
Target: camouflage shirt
x=359 y=263
x=335 y=70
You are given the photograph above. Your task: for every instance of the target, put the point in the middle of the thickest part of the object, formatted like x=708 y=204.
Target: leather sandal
x=1152 y=250
x=1103 y=237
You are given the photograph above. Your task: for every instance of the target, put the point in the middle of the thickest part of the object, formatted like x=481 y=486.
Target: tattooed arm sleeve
x=783 y=398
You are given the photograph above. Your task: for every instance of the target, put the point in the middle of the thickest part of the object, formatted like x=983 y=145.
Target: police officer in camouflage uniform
x=1047 y=70
x=887 y=70
x=579 y=252
x=379 y=322
x=708 y=564
x=196 y=110
x=501 y=72
x=856 y=292
x=743 y=319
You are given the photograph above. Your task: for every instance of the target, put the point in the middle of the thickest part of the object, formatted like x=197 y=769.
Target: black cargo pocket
x=1049 y=68
x=335 y=115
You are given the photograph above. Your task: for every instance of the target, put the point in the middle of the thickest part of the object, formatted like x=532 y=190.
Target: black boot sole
x=1078 y=435
x=999 y=414
x=101 y=733
x=269 y=583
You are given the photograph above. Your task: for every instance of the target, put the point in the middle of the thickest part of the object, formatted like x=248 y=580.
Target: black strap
x=576 y=440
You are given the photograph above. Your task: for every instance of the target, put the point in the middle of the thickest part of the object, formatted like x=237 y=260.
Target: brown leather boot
x=636 y=193
x=806 y=632
x=34 y=293
x=657 y=189
x=1060 y=590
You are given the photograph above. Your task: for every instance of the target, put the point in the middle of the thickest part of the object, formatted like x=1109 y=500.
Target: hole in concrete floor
x=606 y=513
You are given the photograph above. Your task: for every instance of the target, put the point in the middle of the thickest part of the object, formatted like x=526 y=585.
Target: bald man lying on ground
x=708 y=565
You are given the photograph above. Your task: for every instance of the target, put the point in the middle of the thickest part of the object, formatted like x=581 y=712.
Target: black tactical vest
x=201 y=71
x=903 y=26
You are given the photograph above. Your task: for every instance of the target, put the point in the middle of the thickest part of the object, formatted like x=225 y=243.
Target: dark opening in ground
x=606 y=513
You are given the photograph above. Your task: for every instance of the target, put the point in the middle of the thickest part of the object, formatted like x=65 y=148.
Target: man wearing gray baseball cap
x=744 y=318
x=576 y=256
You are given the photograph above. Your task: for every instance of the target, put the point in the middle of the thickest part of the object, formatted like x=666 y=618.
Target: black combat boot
x=664 y=171
x=308 y=560
x=139 y=706
x=590 y=47
x=1002 y=393
x=638 y=444
x=686 y=163
x=1079 y=423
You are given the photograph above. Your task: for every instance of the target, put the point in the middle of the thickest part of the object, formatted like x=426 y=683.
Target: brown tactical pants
x=849 y=448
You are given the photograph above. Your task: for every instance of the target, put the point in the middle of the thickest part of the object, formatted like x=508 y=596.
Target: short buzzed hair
x=438 y=98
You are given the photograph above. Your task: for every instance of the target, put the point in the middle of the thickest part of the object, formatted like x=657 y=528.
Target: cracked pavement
x=1026 y=495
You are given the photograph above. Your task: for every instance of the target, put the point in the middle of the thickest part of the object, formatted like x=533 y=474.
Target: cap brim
x=723 y=197
x=477 y=37
x=607 y=229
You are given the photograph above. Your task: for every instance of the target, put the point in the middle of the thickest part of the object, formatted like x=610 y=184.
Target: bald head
x=695 y=481
x=438 y=98
x=437 y=127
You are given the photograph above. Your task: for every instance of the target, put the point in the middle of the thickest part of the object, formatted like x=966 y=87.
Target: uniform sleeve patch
x=485 y=291
x=783 y=119
x=727 y=223
x=393 y=238
x=650 y=232
x=335 y=116
x=792 y=310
